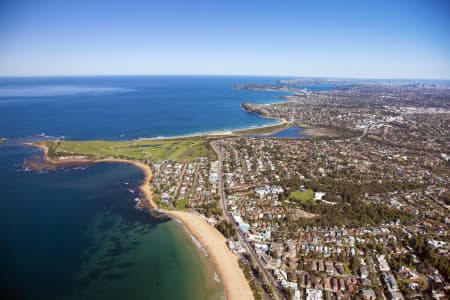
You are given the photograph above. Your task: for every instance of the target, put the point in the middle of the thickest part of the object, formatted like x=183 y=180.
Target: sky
x=336 y=38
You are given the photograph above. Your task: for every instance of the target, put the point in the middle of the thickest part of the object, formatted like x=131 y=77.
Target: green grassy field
x=181 y=204
x=307 y=196
x=157 y=199
x=182 y=149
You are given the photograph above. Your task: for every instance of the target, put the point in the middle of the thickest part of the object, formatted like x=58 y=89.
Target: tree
x=289 y=293
x=226 y=228
x=355 y=264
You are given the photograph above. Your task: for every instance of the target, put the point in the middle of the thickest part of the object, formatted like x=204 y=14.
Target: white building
x=313 y=294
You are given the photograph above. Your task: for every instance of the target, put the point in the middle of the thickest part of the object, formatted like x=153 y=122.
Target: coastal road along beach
x=241 y=238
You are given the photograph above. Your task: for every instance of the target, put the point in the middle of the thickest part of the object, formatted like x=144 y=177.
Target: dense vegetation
x=446 y=198
x=429 y=256
x=210 y=210
x=226 y=229
x=253 y=273
x=349 y=206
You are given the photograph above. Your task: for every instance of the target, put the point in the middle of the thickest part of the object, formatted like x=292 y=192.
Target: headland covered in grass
x=180 y=149
x=141 y=153
x=144 y=187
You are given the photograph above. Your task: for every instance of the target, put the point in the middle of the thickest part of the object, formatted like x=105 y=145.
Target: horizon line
x=221 y=75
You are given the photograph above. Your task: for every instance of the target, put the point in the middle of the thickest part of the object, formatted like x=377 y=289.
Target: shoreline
x=144 y=187
x=218 y=133
x=280 y=122
x=232 y=278
x=225 y=132
x=224 y=261
x=213 y=133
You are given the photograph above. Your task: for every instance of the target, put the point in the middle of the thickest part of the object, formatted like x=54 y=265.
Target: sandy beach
x=144 y=187
x=222 y=133
x=275 y=130
x=225 y=262
x=218 y=133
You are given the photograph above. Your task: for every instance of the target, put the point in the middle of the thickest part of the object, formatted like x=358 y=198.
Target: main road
x=227 y=216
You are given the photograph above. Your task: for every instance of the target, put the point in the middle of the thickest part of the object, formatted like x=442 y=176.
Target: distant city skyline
x=342 y=39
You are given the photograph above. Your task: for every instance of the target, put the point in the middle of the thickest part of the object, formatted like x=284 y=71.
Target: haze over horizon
x=353 y=39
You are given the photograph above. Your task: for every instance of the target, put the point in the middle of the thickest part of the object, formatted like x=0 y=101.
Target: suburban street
x=227 y=216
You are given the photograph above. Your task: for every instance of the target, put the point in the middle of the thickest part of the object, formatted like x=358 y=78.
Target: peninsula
x=356 y=207
x=185 y=149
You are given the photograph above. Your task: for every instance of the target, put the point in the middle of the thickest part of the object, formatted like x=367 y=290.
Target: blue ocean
x=74 y=233
x=117 y=107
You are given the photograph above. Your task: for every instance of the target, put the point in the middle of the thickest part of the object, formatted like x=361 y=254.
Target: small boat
x=131 y=191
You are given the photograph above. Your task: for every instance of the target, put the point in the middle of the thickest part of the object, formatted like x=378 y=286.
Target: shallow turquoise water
x=75 y=234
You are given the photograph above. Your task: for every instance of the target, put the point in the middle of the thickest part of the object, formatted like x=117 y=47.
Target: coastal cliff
x=255 y=108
